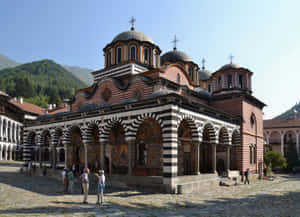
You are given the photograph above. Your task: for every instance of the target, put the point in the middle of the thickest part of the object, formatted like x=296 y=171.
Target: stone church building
x=153 y=118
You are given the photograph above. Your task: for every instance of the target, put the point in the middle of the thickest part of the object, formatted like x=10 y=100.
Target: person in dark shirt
x=246 y=174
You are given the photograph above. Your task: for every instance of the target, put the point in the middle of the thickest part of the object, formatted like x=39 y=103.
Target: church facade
x=154 y=116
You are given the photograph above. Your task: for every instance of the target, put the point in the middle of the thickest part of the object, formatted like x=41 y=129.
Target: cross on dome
x=132 y=21
x=175 y=42
x=203 y=63
x=231 y=58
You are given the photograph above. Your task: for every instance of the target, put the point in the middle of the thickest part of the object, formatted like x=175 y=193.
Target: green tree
x=292 y=158
x=274 y=159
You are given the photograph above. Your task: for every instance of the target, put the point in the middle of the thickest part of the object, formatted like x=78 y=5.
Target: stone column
x=228 y=159
x=102 y=154
x=282 y=143
x=66 y=155
x=214 y=158
x=85 y=154
x=1 y=152
x=297 y=143
x=110 y=159
x=130 y=149
x=197 y=172
x=10 y=153
x=53 y=150
x=5 y=153
x=1 y=128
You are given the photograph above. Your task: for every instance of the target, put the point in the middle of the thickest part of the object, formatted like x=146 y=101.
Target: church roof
x=132 y=34
x=204 y=74
x=230 y=66
x=175 y=56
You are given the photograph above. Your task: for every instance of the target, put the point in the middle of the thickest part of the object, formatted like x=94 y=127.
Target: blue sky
x=264 y=36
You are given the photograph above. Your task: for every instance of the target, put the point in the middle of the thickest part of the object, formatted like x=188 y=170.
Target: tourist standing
x=65 y=180
x=71 y=181
x=246 y=174
x=85 y=184
x=101 y=186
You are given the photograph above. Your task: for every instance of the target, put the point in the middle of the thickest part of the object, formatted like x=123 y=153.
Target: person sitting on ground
x=101 y=186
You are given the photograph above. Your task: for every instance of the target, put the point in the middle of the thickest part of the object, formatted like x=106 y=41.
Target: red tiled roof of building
x=280 y=123
x=58 y=110
x=28 y=107
x=3 y=94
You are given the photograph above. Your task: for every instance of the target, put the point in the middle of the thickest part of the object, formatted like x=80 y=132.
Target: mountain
x=6 y=62
x=292 y=112
x=40 y=82
x=83 y=74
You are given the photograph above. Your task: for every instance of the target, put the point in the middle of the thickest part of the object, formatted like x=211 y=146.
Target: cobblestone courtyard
x=22 y=195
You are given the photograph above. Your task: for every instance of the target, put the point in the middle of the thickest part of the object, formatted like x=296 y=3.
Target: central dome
x=175 y=56
x=135 y=35
x=230 y=66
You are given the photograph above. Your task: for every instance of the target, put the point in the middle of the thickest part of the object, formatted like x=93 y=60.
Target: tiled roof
x=28 y=107
x=282 y=123
x=59 y=110
x=3 y=94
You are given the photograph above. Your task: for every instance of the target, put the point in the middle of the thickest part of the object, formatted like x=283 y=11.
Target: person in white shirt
x=101 y=186
x=85 y=184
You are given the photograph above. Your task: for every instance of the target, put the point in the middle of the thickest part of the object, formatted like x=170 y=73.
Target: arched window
x=252 y=120
x=132 y=53
x=178 y=78
x=109 y=58
x=229 y=81
x=191 y=74
x=240 y=81
x=146 y=55
x=119 y=55
x=154 y=59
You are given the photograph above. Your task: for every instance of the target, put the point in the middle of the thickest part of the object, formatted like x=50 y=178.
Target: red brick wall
x=250 y=135
x=117 y=95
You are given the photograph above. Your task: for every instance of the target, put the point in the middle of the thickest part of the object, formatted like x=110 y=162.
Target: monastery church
x=154 y=119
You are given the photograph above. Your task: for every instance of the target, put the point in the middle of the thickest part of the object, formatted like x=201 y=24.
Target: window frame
x=135 y=52
x=119 y=54
x=146 y=61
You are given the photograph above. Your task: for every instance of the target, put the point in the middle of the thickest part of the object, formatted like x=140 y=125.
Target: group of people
x=68 y=181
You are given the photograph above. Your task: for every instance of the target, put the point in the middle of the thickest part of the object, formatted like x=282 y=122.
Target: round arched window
x=252 y=121
x=178 y=78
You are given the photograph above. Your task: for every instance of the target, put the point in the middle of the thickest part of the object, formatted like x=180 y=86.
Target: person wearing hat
x=101 y=186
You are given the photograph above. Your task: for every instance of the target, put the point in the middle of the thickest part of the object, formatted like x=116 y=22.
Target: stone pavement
x=22 y=195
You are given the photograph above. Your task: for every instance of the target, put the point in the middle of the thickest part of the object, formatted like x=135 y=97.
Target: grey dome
x=230 y=66
x=129 y=35
x=204 y=74
x=175 y=56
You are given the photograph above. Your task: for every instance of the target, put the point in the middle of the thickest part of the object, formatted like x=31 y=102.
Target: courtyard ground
x=22 y=195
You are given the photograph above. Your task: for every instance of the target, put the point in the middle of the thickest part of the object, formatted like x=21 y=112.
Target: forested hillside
x=41 y=82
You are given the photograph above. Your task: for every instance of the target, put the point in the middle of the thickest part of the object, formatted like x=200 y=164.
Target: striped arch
x=192 y=124
x=67 y=133
x=89 y=129
x=43 y=135
x=139 y=120
x=236 y=137
x=223 y=136
x=105 y=131
x=55 y=134
x=209 y=128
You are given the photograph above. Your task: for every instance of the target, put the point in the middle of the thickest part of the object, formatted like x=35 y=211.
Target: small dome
x=175 y=56
x=204 y=74
x=230 y=66
x=135 y=35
